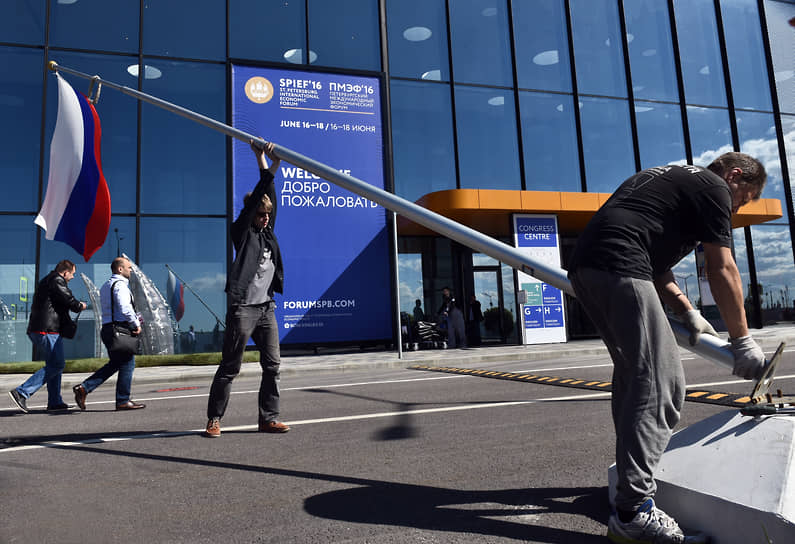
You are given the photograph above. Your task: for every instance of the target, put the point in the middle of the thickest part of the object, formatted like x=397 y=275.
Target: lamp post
x=491 y=304
x=687 y=293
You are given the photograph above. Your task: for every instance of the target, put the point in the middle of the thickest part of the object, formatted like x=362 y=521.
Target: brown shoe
x=273 y=427
x=130 y=405
x=213 y=428
x=80 y=396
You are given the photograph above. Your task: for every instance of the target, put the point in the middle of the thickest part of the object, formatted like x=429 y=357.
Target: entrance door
x=488 y=290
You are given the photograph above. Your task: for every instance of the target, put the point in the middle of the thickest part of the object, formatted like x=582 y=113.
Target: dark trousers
x=259 y=324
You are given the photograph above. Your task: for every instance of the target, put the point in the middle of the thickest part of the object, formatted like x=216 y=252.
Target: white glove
x=696 y=324
x=749 y=359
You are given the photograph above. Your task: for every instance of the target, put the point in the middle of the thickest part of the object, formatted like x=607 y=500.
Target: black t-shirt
x=654 y=219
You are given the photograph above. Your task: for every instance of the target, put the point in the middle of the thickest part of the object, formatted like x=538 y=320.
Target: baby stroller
x=428 y=334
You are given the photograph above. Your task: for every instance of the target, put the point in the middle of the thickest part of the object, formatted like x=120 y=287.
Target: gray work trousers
x=259 y=324
x=648 y=379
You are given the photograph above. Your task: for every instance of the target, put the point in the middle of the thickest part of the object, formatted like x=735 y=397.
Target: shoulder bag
x=122 y=341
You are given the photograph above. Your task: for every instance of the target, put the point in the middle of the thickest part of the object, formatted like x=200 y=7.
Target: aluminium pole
x=710 y=347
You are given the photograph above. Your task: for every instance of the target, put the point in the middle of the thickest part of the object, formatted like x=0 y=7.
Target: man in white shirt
x=117 y=308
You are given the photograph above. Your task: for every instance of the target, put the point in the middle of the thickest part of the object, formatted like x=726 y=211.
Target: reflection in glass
x=549 y=141
x=22 y=21
x=352 y=40
x=788 y=128
x=650 y=50
x=758 y=139
x=196 y=250
x=542 y=56
x=118 y=114
x=200 y=34
x=17 y=283
x=479 y=40
x=95 y=24
x=20 y=107
x=189 y=174
x=509 y=302
x=417 y=34
x=699 y=50
x=779 y=29
x=422 y=137
x=598 y=54
x=775 y=271
x=411 y=289
x=710 y=133
x=607 y=143
x=286 y=29
x=746 y=55
x=660 y=134
x=488 y=150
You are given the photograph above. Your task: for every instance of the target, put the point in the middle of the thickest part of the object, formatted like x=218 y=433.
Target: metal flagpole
x=710 y=347
x=196 y=295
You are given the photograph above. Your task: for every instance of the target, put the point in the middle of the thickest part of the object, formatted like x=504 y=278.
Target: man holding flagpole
x=255 y=275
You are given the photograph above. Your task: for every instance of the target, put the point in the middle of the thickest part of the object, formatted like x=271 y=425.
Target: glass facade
x=537 y=95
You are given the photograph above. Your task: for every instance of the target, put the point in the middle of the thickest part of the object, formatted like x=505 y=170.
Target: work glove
x=696 y=324
x=749 y=359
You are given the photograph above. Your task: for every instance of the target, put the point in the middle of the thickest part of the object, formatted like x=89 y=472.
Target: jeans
x=51 y=347
x=244 y=322
x=648 y=378
x=123 y=365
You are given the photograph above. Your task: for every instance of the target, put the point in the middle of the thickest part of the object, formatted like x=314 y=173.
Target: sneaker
x=272 y=427
x=57 y=407
x=19 y=400
x=80 y=396
x=650 y=525
x=213 y=428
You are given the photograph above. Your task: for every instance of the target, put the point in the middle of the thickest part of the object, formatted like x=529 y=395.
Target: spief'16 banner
x=334 y=242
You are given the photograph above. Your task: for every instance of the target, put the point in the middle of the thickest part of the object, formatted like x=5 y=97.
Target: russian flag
x=176 y=295
x=76 y=209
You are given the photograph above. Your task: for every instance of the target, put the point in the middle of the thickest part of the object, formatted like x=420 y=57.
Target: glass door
x=488 y=291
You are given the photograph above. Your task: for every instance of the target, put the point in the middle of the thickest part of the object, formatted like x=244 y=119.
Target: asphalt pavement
x=335 y=360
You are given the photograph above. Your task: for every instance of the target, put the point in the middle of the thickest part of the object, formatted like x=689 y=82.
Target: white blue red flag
x=76 y=209
x=175 y=292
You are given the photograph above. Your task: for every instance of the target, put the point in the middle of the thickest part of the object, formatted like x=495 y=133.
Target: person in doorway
x=257 y=273
x=474 y=318
x=52 y=301
x=621 y=271
x=455 y=320
x=419 y=315
x=118 y=308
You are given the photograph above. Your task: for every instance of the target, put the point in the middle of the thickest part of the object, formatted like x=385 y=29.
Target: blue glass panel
x=699 y=49
x=422 y=138
x=189 y=174
x=417 y=33
x=196 y=251
x=598 y=54
x=775 y=271
x=20 y=107
x=660 y=134
x=549 y=139
x=17 y=283
x=479 y=37
x=345 y=33
x=788 y=128
x=285 y=38
x=488 y=152
x=172 y=30
x=650 y=50
x=710 y=133
x=22 y=21
x=118 y=115
x=758 y=139
x=542 y=54
x=607 y=143
x=746 y=54
x=95 y=24
x=779 y=17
